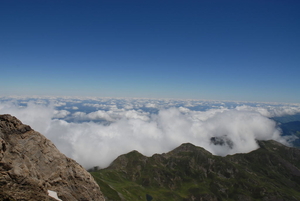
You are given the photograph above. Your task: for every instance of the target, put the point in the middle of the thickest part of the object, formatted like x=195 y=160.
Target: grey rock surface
x=30 y=165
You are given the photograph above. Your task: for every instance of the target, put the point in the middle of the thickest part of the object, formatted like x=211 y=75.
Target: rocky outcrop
x=31 y=167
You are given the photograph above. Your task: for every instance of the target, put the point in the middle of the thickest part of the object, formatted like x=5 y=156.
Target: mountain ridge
x=188 y=172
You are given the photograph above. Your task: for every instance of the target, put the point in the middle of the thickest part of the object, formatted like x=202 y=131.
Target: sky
x=222 y=50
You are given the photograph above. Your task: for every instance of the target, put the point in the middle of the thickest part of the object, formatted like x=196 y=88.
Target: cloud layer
x=96 y=137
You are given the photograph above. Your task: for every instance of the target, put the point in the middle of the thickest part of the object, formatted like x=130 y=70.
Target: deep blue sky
x=213 y=49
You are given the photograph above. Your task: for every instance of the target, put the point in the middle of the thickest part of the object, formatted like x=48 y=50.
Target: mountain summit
x=33 y=169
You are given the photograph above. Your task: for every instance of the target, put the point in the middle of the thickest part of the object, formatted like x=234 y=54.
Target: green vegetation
x=191 y=173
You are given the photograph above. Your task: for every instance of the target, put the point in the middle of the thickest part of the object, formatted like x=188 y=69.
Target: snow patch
x=53 y=194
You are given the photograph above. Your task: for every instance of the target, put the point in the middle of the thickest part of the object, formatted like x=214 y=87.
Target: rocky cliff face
x=31 y=167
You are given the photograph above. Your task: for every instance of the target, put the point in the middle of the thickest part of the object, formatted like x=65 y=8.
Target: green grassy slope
x=191 y=173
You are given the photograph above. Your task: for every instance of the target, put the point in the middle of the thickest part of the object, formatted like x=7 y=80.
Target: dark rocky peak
x=222 y=141
x=11 y=125
x=187 y=150
x=128 y=160
x=185 y=147
x=32 y=167
x=134 y=158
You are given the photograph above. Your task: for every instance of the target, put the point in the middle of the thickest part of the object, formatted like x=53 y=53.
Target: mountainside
x=269 y=173
x=31 y=167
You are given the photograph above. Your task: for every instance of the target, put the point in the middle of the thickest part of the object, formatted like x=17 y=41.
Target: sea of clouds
x=94 y=131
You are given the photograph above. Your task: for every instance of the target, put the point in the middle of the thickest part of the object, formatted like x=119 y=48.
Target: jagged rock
x=30 y=165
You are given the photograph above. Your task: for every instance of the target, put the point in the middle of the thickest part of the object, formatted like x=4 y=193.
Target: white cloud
x=96 y=105
x=93 y=144
x=80 y=116
x=112 y=115
x=128 y=106
x=271 y=110
x=37 y=116
x=57 y=104
x=60 y=113
x=99 y=115
x=150 y=105
x=133 y=114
